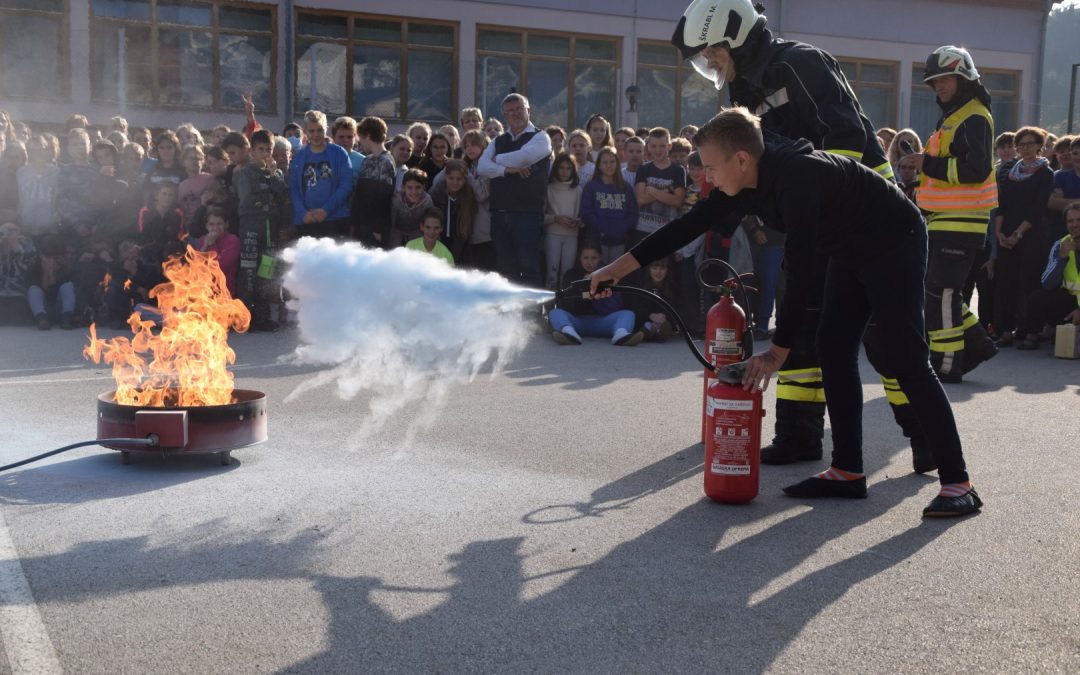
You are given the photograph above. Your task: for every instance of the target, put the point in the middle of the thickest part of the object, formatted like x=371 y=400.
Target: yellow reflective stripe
x=885 y=170
x=957 y=346
x=854 y=154
x=970 y=320
x=896 y=397
x=945 y=333
x=950 y=226
x=802 y=375
x=789 y=392
x=951 y=173
x=800 y=371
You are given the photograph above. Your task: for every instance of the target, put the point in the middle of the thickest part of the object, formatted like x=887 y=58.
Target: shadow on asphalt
x=690 y=591
x=102 y=476
x=543 y=367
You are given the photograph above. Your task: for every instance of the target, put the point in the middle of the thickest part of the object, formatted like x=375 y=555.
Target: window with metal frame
x=567 y=77
x=875 y=84
x=396 y=68
x=34 y=48
x=201 y=54
x=672 y=94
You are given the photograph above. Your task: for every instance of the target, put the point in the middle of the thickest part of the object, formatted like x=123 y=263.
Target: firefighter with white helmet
x=957 y=187
x=798 y=91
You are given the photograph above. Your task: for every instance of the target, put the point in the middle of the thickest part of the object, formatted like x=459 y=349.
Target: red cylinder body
x=732 y=443
x=725 y=325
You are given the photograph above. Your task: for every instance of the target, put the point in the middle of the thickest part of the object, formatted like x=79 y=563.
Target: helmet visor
x=709 y=72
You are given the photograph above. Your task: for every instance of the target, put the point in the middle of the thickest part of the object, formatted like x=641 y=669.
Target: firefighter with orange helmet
x=798 y=91
x=957 y=187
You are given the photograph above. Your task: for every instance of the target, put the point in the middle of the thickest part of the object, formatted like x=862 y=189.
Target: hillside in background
x=1062 y=50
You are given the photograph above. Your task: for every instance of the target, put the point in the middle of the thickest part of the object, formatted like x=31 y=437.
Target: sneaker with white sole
x=624 y=338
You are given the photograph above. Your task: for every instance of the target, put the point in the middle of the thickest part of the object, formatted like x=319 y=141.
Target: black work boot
x=815 y=488
x=786 y=450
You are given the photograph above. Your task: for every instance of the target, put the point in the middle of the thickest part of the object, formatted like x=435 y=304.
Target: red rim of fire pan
x=191 y=429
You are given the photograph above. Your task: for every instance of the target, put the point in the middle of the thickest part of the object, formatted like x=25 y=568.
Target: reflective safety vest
x=955 y=206
x=1071 y=280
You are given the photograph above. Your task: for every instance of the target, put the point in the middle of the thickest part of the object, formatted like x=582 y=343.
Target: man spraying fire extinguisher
x=798 y=91
x=875 y=240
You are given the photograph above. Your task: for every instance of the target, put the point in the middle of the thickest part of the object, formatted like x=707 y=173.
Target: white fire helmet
x=714 y=23
x=950 y=60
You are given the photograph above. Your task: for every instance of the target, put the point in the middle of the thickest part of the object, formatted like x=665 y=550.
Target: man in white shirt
x=518 y=162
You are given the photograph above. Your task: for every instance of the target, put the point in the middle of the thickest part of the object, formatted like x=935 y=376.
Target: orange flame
x=190 y=355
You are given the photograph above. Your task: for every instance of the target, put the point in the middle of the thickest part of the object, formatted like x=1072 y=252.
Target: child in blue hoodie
x=602 y=317
x=609 y=208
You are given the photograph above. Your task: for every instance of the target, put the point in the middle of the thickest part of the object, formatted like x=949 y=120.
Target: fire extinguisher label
x=714 y=404
x=732 y=440
x=725 y=343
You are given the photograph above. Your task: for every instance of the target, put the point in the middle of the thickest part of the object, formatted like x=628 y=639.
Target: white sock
x=569 y=330
x=619 y=334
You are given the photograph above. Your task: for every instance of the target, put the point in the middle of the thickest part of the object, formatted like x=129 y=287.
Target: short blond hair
x=315 y=117
x=733 y=129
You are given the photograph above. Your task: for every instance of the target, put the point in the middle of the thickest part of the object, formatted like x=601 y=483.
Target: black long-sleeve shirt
x=1025 y=200
x=826 y=204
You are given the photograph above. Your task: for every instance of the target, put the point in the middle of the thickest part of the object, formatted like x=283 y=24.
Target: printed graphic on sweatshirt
x=315 y=172
x=652 y=217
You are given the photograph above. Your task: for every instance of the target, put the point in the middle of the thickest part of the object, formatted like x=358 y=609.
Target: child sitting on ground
x=430 y=231
x=658 y=277
x=602 y=317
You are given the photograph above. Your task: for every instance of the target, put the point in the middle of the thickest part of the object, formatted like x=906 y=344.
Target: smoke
x=400 y=326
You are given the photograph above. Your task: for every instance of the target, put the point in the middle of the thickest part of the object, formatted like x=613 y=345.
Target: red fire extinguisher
x=725 y=331
x=733 y=440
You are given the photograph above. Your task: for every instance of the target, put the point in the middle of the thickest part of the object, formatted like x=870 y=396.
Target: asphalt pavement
x=551 y=520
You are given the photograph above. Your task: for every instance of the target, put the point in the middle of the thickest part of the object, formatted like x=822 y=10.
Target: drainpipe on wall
x=1048 y=5
x=290 y=65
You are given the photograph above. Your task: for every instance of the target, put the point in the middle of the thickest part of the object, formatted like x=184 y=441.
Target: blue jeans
x=63 y=303
x=767 y=261
x=891 y=288
x=593 y=325
x=517 y=238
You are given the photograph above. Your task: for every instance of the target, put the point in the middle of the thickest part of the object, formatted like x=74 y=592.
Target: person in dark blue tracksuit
x=875 y=240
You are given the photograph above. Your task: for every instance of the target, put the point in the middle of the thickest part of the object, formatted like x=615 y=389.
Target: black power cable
x=150 y=440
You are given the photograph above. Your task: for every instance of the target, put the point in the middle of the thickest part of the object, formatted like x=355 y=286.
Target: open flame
x=189 y=357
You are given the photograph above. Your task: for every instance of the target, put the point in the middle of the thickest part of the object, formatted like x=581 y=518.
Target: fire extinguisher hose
x=152 y=439
x=581 y=289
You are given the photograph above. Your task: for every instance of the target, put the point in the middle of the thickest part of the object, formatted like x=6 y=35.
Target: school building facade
x=165 y=62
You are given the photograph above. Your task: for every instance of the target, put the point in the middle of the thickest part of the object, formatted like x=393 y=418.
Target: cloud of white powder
x=400 y=326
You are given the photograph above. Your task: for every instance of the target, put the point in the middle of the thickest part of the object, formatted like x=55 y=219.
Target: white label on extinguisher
x=726 y=343
x=730 y=469
x=715 y=404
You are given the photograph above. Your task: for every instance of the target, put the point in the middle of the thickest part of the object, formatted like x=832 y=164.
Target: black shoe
x=982 y=351
x=630 y=339
x=950 y=507
x=1005 y=341
x=813 y=488
x=788 y=452
x=921 y=458
x=43 y=322
x=950 y=378
x=65 y=322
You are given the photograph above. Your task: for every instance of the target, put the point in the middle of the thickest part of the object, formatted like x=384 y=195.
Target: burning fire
x=189 y=357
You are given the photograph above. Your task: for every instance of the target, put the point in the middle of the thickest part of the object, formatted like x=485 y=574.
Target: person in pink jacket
x=224 y=243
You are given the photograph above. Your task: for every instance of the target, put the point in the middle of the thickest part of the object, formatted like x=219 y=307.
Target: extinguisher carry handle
x=728 y=286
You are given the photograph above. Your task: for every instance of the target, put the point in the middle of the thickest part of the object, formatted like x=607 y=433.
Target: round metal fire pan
x=186 y=429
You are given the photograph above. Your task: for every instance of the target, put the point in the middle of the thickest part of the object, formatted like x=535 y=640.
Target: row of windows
x=204 y=54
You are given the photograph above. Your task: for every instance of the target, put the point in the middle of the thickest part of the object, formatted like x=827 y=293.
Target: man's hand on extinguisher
x=760 y=368
x=611 y=274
